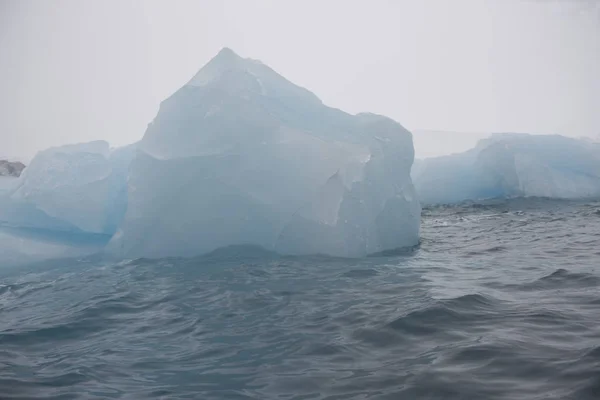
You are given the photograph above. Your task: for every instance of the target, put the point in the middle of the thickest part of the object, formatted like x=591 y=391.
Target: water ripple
x=500 y=301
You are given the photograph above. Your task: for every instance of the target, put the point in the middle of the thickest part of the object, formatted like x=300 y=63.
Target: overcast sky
x=79 y=70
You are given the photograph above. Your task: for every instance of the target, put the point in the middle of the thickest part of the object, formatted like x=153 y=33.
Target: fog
x=74 y=71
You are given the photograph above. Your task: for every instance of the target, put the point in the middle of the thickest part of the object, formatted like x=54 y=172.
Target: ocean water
x=500 y=301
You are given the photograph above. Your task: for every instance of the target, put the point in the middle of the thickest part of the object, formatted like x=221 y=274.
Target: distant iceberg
x=241 y=156
x=509 y=165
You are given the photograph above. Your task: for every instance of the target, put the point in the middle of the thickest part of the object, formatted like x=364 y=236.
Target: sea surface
x=500 y=301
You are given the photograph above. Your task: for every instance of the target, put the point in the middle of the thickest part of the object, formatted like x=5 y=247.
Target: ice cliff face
x=508 y=165
x=79 y=187
x=240 y=155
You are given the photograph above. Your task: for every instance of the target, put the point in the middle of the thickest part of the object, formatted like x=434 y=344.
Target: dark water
x=501 y=301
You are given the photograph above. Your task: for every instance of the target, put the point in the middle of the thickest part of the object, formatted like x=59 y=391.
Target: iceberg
x=512 y=165
x=78 y=188
x=241 y=156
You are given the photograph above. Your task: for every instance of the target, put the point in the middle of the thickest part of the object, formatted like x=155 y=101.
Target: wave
x=562 y=278
x=479 y=310
x=446 y=314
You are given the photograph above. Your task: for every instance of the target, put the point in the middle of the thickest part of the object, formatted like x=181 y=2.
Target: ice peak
x=226 y=52
x=243 y=75
x=225 y=60
x=226 y=56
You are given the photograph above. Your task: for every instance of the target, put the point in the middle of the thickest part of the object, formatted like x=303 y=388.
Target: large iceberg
x=77 y=188
x=511 y=165
x=240 y=155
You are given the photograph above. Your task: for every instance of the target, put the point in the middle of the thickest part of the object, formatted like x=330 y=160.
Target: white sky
x=79 y=70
